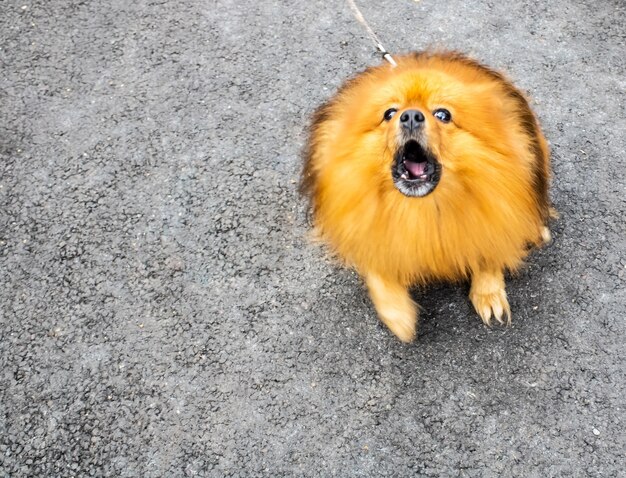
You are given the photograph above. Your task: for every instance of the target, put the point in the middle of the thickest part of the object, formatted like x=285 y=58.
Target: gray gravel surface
x=162 y=313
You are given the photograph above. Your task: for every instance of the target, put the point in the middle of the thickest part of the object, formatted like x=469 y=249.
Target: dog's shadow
x=444 y=307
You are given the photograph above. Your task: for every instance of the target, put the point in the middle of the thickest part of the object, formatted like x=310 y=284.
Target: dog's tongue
x=416 y=169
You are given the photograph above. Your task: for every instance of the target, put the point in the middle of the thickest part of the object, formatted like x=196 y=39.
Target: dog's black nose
x=412 y=119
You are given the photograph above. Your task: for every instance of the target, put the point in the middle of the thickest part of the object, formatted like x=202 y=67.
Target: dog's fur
x=490 y=203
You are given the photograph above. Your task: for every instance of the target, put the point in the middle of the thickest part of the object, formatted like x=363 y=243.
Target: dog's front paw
x=489 y=297
x=402 y=322
x=492 y=305
x=394 y=306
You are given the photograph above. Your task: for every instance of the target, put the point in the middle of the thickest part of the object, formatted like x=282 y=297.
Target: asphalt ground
x=163 y=314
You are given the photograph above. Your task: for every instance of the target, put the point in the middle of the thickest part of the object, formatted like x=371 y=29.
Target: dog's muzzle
x=415 y=170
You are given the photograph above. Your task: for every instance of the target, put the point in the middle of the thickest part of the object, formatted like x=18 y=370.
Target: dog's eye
x=442 y=115
x=389 y=113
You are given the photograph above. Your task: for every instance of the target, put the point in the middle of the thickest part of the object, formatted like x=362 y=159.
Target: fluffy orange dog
x=435 y=169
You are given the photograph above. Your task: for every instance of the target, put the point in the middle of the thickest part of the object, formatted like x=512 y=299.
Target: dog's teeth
x=404 y=176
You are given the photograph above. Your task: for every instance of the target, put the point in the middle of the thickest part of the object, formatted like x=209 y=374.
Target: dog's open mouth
x=415 y=171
